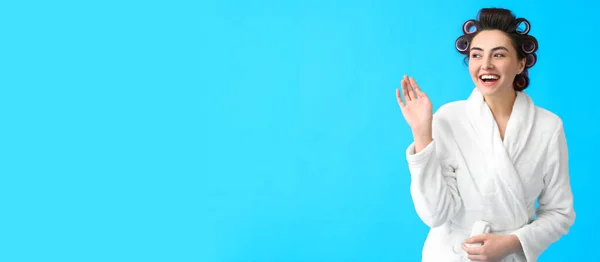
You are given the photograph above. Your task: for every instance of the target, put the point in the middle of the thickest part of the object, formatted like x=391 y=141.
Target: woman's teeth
x=489 y=77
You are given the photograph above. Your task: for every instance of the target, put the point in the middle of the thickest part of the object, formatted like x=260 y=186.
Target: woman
x=477 y=166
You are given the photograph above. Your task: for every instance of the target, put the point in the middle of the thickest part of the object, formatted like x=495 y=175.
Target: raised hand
x=417 y=111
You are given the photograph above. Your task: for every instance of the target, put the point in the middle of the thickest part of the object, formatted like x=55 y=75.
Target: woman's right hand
x=417 y=111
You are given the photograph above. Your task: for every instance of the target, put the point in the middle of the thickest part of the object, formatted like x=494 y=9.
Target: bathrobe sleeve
x=555 y=213
x=433 y=188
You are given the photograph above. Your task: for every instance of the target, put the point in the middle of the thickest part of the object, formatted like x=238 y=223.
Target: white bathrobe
x=469 y=174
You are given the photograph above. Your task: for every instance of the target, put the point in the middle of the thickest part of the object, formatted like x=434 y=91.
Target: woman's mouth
x=489 y=79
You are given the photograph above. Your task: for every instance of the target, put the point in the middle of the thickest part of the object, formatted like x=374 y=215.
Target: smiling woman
x=478 y=165
x=507 y=41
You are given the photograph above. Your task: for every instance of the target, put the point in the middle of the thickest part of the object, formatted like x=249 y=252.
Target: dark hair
x=517 y=29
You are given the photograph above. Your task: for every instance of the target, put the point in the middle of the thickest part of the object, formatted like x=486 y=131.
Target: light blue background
x=250 y=131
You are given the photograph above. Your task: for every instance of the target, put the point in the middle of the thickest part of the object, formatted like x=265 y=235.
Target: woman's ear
x=522 y=63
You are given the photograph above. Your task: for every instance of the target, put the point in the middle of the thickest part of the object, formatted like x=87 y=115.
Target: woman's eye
x=475 y=55
x=499 y=55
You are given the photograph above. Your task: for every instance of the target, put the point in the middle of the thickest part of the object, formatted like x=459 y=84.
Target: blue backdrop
x=250 y=130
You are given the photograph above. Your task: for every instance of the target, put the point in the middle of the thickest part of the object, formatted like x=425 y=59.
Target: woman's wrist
x=514 y=244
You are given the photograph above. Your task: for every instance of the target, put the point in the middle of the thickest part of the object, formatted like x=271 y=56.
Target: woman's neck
x=501 y=104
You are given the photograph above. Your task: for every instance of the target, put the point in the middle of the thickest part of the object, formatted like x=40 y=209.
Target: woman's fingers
x=399 y=97
x=409 y=89
x=416 y=87
x=471 y=250
x=405 y=91
x=476 y=258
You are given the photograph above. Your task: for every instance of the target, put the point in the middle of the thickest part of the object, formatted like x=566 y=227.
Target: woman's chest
x=479 y=173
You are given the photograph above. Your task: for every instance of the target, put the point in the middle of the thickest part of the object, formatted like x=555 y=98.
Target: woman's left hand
x=493 y=248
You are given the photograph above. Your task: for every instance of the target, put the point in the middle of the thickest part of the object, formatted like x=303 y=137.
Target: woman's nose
x=486 y=65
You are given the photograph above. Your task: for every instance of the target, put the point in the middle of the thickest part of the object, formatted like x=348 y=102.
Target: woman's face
x=493 y=62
